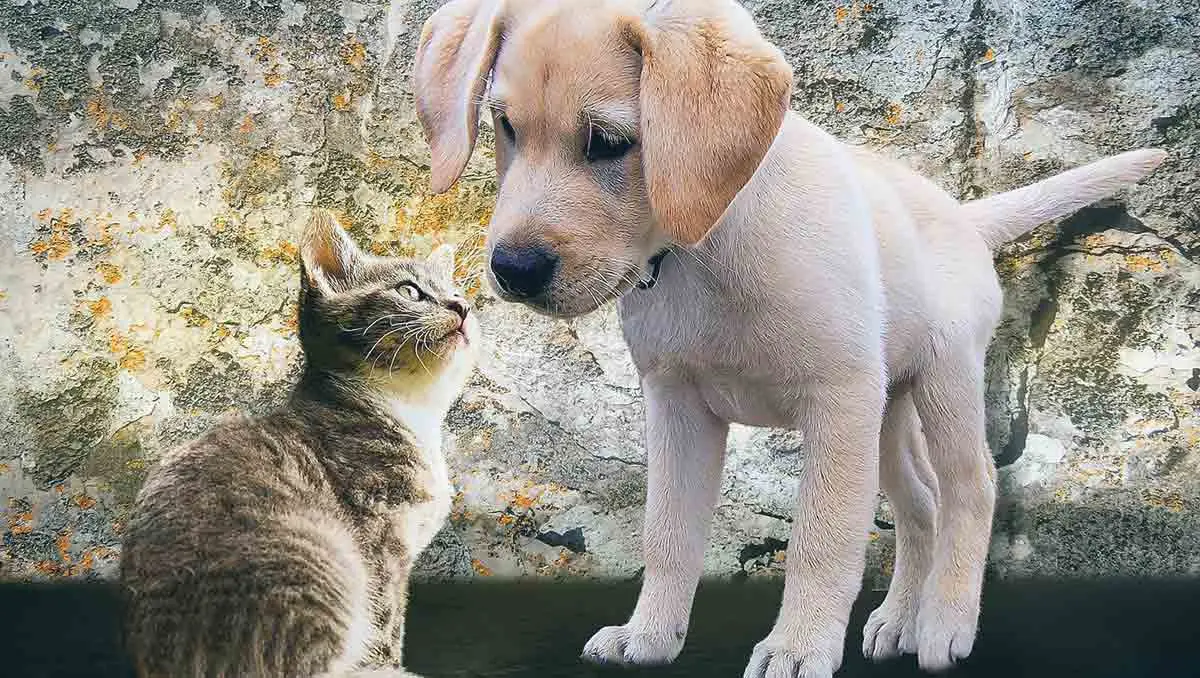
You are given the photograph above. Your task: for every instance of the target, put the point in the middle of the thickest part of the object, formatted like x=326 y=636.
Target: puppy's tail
x=1003 y=217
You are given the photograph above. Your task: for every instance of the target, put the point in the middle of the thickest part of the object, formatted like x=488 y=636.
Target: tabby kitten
x=282 y=545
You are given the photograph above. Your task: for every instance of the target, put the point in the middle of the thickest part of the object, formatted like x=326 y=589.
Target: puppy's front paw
x=891 y=630
x=627 y=646
x=774 y=658
x=945 y=633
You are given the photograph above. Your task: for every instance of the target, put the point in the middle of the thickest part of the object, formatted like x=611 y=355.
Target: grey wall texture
x=157 y=155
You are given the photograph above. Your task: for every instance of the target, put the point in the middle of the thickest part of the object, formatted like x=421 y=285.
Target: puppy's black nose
x=523 y=271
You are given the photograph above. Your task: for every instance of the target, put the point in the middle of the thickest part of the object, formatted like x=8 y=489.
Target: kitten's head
x=400 y=323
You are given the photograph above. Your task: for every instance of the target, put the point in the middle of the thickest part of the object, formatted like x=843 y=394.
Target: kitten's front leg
x=399 y=610
x=685 y=450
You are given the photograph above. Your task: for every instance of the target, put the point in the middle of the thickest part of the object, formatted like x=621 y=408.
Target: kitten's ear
x=328 y=256
x=442 y=259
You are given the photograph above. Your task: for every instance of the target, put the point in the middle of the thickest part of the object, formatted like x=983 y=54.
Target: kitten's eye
x=506 y=126
x=411 y=291
x=603 y=145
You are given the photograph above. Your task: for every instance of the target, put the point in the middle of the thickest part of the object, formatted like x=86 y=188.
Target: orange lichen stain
x=780 y=556
x=58 y=245
x=63 y=542
x=117 y=343
x=989 y=55
x=33 y=79
x=100 y=307
x=4 y=468
x=135 y=465
x=1141 y=263
x=109 y=272
x=247 y=125
x=282 y=252
x=174 y=121
x=133 y=360
x=564 y=558
x=354 y=53
x=872 y=536
x=892 y=115
x=102 y=115
x=854 y=10
x=44 y=215
x=341 y=100
x=506 y=519
x=291 y=324
x=480 y=569
x=839 y=107
x=193 y=318
x=83 y=501
x=86 y=561
x=21 y=523
x=48 y=567
x=376 y=162
x=168 y=220
x=1169 y=500
x=432 y=214
x=273 y=78
x=221 y=332
x=266 y=53
x=3 y=295
x=264 y=50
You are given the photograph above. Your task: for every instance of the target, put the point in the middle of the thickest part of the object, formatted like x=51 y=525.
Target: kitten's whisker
x=387 y=334
x=377 y=321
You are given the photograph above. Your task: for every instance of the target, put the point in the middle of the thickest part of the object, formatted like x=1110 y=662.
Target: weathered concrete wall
x=158 y=152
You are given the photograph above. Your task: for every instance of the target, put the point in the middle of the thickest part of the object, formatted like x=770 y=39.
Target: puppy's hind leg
x=911 y=488
x=949 y=399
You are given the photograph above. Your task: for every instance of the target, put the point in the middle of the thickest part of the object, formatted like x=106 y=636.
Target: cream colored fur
x=812 y=286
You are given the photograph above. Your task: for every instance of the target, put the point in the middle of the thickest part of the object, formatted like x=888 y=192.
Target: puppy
x=788 y=280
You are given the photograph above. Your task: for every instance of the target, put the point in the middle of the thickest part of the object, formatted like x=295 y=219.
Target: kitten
x=282 y=545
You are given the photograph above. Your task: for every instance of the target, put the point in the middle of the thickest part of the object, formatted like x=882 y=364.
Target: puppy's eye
x=603 y=145
x=506 y=126
x=410 y=291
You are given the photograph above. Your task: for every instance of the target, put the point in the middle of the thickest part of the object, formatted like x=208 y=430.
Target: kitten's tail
x=1001 y=218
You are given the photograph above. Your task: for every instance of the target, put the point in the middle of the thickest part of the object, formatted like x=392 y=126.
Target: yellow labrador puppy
x=807 y=285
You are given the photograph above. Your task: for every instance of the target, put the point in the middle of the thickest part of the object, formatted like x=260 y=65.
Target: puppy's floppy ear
x=328 y=257
x=714 y=93
x=457 y=49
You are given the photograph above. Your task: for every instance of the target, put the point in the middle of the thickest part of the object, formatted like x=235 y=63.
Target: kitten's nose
x=523 y=271
x=459 y=306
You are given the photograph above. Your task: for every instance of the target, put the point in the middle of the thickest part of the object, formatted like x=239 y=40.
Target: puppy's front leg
x=828 y=542
x=685 y=451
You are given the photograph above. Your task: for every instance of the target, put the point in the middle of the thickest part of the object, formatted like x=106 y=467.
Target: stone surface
x=158 y=153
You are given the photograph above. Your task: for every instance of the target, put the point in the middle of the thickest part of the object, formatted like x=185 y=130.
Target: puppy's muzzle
x=523 y=272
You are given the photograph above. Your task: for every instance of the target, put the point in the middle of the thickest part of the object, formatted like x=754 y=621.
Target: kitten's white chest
x=418 y=523
x=425 y=519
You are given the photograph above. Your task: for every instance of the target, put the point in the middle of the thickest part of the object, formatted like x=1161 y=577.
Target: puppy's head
x=621 y=127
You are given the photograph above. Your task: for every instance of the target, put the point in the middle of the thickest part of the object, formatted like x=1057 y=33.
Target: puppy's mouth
x=572 y=297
